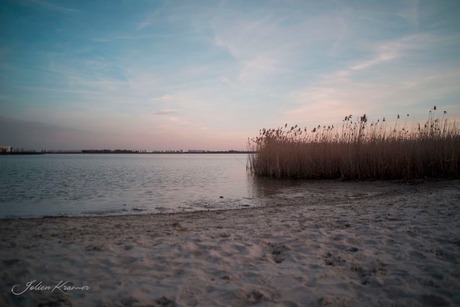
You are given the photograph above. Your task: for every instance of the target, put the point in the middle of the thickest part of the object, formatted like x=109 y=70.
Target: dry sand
x=371 y=244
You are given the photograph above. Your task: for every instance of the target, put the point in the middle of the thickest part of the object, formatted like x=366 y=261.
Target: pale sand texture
x=369 y=244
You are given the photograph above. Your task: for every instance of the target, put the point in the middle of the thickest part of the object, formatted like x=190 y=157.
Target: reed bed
x=360 y=150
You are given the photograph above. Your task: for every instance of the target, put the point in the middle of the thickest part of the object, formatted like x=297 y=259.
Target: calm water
x=105 y=184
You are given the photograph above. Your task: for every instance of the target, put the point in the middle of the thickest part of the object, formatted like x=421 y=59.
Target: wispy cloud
x=383 y=56
x=402 y=47
x=410 y=12
x=384 y=85
x=271 y=44
x=153 y=17
x=330 y=100
x=166 y=112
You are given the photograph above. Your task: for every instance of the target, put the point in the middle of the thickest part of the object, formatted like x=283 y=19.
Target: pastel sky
x=160 y=75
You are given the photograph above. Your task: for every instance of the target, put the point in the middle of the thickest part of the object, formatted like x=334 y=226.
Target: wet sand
x=363 y=244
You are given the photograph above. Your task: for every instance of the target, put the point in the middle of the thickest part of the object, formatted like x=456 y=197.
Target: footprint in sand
x=332 y=260
x=278 y=251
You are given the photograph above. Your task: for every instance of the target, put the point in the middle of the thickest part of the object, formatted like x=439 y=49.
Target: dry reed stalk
x=359 y=150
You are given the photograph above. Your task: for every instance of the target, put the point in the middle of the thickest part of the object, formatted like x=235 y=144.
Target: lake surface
x=119 y=184
x=114 y=184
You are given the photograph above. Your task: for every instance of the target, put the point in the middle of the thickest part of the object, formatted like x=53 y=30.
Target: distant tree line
x=112 y=151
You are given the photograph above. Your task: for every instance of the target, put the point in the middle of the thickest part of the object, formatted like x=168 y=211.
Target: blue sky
x=161 y=75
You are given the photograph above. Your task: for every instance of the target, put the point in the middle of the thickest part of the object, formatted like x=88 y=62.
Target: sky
x=170 y=75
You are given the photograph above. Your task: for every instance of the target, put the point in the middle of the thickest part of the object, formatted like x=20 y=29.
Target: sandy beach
x=365 y=244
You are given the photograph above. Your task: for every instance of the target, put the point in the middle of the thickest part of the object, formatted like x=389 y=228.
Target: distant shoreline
x=20 y=153
x=118 y=152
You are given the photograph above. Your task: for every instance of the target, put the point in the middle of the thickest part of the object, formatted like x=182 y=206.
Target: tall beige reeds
x=360 y=150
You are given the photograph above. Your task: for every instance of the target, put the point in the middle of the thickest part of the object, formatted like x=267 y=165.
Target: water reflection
x=262 y=187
